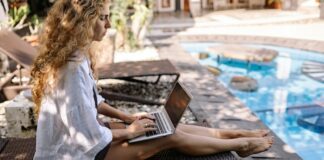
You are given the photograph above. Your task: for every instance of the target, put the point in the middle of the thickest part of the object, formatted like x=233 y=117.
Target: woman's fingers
x=143 y=115
x=144 y=121
x=148 y=123
x=148 y=116
x=142 y=126
x=150 y=129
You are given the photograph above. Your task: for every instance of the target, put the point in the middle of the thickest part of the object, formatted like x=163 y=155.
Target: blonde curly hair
x=68 y=28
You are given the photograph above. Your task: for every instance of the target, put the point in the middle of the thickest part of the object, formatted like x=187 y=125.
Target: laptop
x=168 y=118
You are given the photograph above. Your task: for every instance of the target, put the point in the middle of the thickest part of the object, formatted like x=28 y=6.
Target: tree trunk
x=322 y=10
x=186 y=4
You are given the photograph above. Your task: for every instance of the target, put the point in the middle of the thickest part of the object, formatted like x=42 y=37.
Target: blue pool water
x=282 y=87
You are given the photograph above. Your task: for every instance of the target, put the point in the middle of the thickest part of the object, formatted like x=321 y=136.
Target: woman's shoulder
x=77 y=56
x=75 y=70
x=77 y=63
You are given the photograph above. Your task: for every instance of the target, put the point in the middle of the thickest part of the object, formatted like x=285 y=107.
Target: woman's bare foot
x=255 y=133
x=240 y=133
x=254 y=145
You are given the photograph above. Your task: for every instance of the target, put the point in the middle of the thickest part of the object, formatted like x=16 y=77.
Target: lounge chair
x=17 y=49
x=310 y=116
x=15 y=148
x=130 y=70
x=314 y=70
x=24 y=54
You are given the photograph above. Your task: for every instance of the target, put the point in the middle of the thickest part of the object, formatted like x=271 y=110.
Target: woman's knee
x=182 y=127
x=122 y=150
x=179 y=137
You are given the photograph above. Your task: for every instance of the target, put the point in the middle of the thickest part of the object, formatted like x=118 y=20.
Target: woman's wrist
x=122 y=134
x=127 y=118
x=130 y=134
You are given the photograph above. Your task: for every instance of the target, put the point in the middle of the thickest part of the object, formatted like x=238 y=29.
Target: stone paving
x=303 y=24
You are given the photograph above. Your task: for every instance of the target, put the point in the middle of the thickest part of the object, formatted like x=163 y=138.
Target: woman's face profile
x=102 y=23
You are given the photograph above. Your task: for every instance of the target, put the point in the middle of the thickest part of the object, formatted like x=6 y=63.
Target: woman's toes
x=256 y=145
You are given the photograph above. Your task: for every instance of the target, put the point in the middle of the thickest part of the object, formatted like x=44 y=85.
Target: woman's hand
x=142 y=115
x=140 y=127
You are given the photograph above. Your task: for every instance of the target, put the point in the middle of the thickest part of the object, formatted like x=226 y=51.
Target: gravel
x=156 y=92
x=159 y=91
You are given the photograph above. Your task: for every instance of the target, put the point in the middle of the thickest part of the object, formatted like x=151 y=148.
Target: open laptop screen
x=177 y=103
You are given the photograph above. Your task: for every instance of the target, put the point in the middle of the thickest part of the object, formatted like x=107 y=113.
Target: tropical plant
x=141 y=19
x=21 y=19
x=119 y=19
x=18 y=15
x=130 y=18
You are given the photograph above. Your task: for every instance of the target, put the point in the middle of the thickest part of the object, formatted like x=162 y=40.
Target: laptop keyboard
x=160 y=128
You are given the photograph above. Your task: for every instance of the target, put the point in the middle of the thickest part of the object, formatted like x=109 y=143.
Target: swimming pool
x=282 y=88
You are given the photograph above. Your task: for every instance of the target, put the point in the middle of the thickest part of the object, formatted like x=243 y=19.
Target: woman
x=67 y=102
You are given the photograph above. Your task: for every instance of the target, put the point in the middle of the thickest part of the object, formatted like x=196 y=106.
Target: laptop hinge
x=167 y=117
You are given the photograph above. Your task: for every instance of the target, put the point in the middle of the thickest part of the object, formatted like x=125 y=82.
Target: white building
x=184 y=5
x=172 y=5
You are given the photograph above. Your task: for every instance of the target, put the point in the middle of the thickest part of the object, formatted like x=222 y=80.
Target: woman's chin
x=98 y=39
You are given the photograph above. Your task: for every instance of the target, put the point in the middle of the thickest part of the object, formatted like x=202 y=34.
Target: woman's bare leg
x=222 y=133
x=140 y=150
x=188 y=144
x=202 y=145
x=211 y=132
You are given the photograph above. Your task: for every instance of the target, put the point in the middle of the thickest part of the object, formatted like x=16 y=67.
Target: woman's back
x=67 y=124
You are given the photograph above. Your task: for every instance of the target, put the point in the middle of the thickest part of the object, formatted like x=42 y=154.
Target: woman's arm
x=109 y=111
x=137 y=128
x=112 y=112
x=120 y=134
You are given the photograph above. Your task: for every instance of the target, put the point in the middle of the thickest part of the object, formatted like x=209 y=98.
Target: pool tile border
x=308 y=45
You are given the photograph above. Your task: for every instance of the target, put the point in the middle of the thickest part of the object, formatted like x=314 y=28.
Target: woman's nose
x=107 y=25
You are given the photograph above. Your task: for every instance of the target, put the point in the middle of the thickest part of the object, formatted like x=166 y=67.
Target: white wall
x=3 y=14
